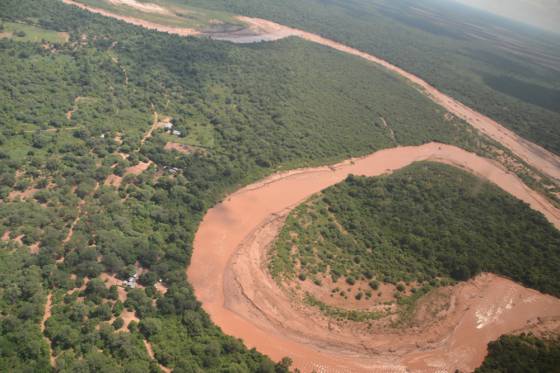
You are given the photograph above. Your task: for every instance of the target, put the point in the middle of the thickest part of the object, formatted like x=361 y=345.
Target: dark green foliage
x=421 y=223
x=22 y=347
x=459 y=50
x=521 y=354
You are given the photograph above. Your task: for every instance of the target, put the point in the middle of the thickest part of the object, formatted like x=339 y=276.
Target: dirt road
x=229 y=274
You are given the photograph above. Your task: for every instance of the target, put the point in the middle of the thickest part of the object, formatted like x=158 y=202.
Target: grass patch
x=173 y=14
x=29 y=33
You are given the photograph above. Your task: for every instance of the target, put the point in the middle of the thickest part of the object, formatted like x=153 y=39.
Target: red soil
x=16 y=194
x=113 y=180
x=150 y=351
x=241 y=297
x=112 y=280
x=116 y=180
x=181 y=148
x=35 y=248
x=46 y=316
x=138 y=169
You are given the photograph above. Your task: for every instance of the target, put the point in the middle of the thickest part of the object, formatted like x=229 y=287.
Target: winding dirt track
x=229 y=275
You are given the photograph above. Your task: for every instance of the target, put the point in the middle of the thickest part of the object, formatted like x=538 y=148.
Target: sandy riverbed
x=228 y=273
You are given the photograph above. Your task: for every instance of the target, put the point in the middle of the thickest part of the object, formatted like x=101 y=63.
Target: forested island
x=426 y=224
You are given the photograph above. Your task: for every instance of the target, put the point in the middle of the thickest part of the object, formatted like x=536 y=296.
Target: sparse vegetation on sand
x=422 y=225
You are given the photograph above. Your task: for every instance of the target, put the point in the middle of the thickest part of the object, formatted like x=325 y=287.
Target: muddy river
x=229 y=274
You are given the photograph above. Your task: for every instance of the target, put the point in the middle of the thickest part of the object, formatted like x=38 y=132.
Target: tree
x=118 y=323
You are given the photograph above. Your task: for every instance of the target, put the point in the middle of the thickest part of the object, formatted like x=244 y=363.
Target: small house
x=131 y=282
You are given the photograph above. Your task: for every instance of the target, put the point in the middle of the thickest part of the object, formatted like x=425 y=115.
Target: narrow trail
x=46 y=316
x=150 y=351
x=74 y=222
x=243 y=299
x=154 y=126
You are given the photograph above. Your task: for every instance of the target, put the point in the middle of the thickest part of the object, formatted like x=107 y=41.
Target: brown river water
x=228 y=272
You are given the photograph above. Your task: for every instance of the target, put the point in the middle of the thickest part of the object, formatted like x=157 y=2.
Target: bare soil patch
x=143 y=7
x=113 y=180
x=35 y=248
x=128 y=317
x=138 y=169
x=449 y=331
x=116 y=180
x=111 y=280
x=24 y=195
x=181 y=148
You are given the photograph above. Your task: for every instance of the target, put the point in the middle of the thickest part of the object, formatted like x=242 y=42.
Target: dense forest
x=92 y=196
x=425 y=223
x=521 y=354
x=503 y=69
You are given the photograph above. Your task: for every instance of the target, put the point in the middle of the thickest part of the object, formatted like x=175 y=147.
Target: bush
x=374 y=284
x=118 y=323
